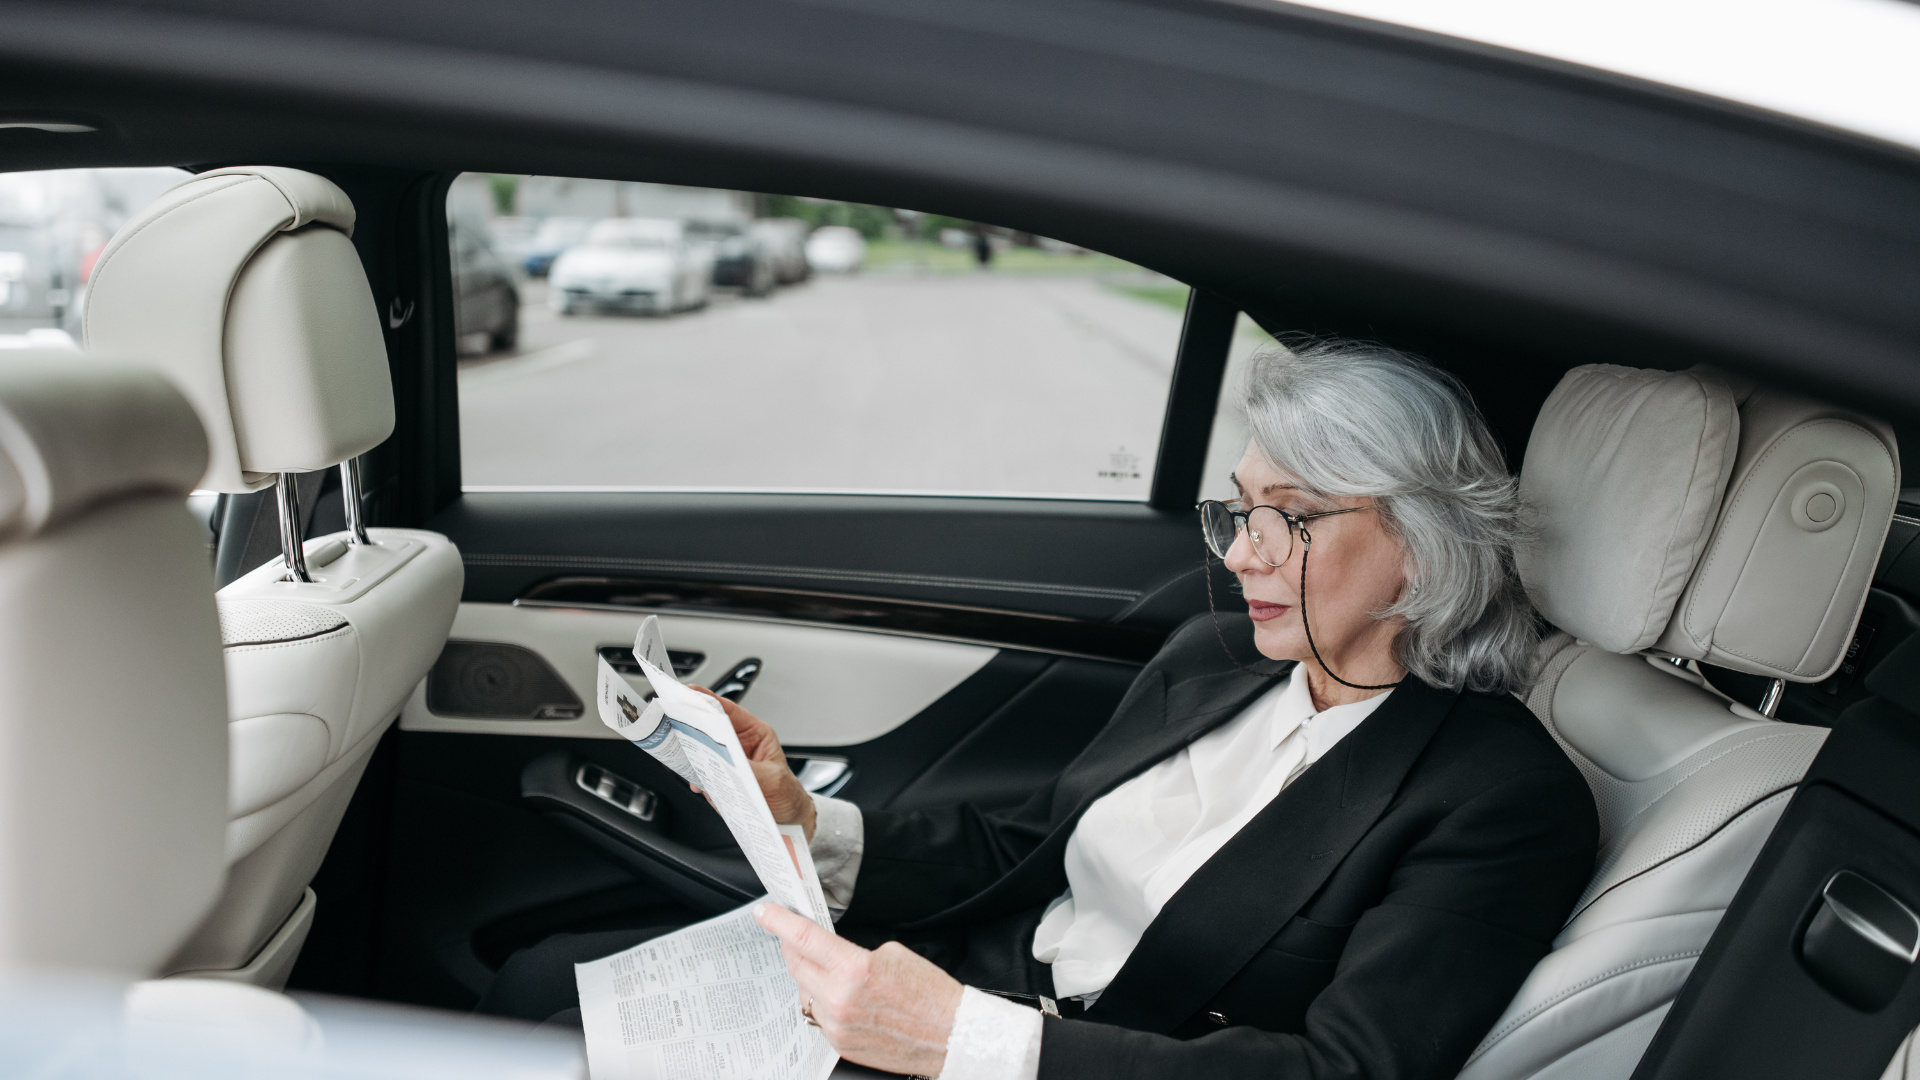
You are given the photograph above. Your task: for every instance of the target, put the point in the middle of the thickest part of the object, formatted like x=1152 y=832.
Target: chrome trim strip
x=1130 y=656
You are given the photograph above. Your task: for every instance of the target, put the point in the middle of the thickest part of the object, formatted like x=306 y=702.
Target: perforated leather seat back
x=1688 y=784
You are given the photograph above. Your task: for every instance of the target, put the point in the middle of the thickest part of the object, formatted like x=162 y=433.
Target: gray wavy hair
x=1350 y=418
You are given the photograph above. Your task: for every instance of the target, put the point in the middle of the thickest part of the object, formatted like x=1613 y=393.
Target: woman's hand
x=888 y=1009
x=790 y=803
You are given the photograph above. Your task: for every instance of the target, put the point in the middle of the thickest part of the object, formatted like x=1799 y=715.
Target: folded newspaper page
x=689 y=733
x=710 y=1002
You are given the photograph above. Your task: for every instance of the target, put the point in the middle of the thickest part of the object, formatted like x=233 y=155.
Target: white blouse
x=1137 y=844
x=1131 y=851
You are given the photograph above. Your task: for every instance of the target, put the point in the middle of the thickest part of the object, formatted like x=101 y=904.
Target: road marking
x=553 y=356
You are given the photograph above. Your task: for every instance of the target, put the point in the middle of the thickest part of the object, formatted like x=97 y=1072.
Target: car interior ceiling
x=455 y=851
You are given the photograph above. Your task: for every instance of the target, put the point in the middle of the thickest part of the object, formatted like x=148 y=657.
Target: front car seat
x=1682 y=518
x=243 y=286
x=113 y=744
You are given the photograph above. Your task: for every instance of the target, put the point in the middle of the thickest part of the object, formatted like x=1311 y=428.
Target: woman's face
x=1356 y=568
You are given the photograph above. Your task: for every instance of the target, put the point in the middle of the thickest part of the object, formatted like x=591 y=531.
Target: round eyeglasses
x=1270 y=528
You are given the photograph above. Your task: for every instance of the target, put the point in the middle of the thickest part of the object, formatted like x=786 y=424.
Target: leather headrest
x=242 y=285
x=1784 y=577
x=76 y=431
x=1623 y=475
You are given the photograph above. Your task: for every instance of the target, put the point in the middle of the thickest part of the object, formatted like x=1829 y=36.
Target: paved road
x=959 y=383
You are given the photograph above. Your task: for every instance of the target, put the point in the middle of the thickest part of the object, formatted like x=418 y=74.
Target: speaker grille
x=485 y=680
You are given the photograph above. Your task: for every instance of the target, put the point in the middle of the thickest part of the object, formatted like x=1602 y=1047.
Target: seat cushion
x=1688 y=791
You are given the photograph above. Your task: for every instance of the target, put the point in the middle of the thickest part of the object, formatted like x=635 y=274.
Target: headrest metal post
x=1770 y=701
x=350 y=498
x=290 y=546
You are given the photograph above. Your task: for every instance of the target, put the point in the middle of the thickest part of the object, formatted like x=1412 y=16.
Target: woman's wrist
x=809 y=814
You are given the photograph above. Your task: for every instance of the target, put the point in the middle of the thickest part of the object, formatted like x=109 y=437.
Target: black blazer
x=1372 y=921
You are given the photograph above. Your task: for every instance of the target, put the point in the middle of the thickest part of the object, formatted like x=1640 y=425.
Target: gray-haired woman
x=1318 y=839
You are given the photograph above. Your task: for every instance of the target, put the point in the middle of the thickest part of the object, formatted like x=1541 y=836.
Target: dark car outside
x=740 y=258
x=486 y=299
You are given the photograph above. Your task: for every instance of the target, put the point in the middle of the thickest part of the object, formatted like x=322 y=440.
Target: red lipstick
x=1262 y=611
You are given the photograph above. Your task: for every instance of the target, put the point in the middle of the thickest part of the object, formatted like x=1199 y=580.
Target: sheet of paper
x=710 y=1002
x=795 y=837
x=690 y=733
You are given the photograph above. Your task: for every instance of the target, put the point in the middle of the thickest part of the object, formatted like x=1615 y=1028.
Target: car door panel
x=946 y=649
x=818 y=686
x=476 y=869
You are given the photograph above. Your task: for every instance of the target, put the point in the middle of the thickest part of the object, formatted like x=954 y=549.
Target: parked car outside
x=785 y=240
x=739 y=258
x=486 y=298
x=53 y=225
x=554 y=236
x=634 y=264
x=836 y=249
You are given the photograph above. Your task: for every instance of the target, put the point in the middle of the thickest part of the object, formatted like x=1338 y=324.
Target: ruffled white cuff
x=993 y=1039
x=839 y=839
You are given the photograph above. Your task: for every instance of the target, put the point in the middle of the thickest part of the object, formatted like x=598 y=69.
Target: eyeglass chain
x=1306 y=540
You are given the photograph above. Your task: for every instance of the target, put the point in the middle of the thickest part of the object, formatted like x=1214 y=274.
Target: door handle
x=620 y=658
x=734 y=684
x=1861 y=942
x=822 y=775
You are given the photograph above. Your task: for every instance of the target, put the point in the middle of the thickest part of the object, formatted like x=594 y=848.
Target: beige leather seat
x=244 y=287
x=113 y=747
x=1682 y=516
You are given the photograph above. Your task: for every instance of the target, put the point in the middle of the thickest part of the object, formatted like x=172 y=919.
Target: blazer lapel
x=1235 y=903
x=1145 y=737
x=1151 y=724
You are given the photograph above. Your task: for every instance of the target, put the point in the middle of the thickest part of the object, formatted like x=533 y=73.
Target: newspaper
x=713 y=1001
x=710 y=1002
x=689 y=733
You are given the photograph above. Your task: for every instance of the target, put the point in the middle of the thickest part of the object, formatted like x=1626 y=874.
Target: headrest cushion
x=1623 y=475
x=311 y=198
x=1791 y=560
x=76 y=431
x=243 y=286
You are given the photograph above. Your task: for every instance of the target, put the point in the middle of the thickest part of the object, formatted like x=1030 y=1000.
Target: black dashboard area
x=1100 y=561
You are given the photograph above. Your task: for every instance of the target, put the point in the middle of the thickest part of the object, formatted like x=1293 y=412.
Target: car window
x=626 y=335
x=53 y=225
x=1228 y=439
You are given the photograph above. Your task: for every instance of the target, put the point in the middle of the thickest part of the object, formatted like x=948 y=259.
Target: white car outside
x=633 y=264
x=836 y=249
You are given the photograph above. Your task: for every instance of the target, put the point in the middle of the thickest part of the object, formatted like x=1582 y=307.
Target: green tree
x=504 y=186
x=874 y=222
